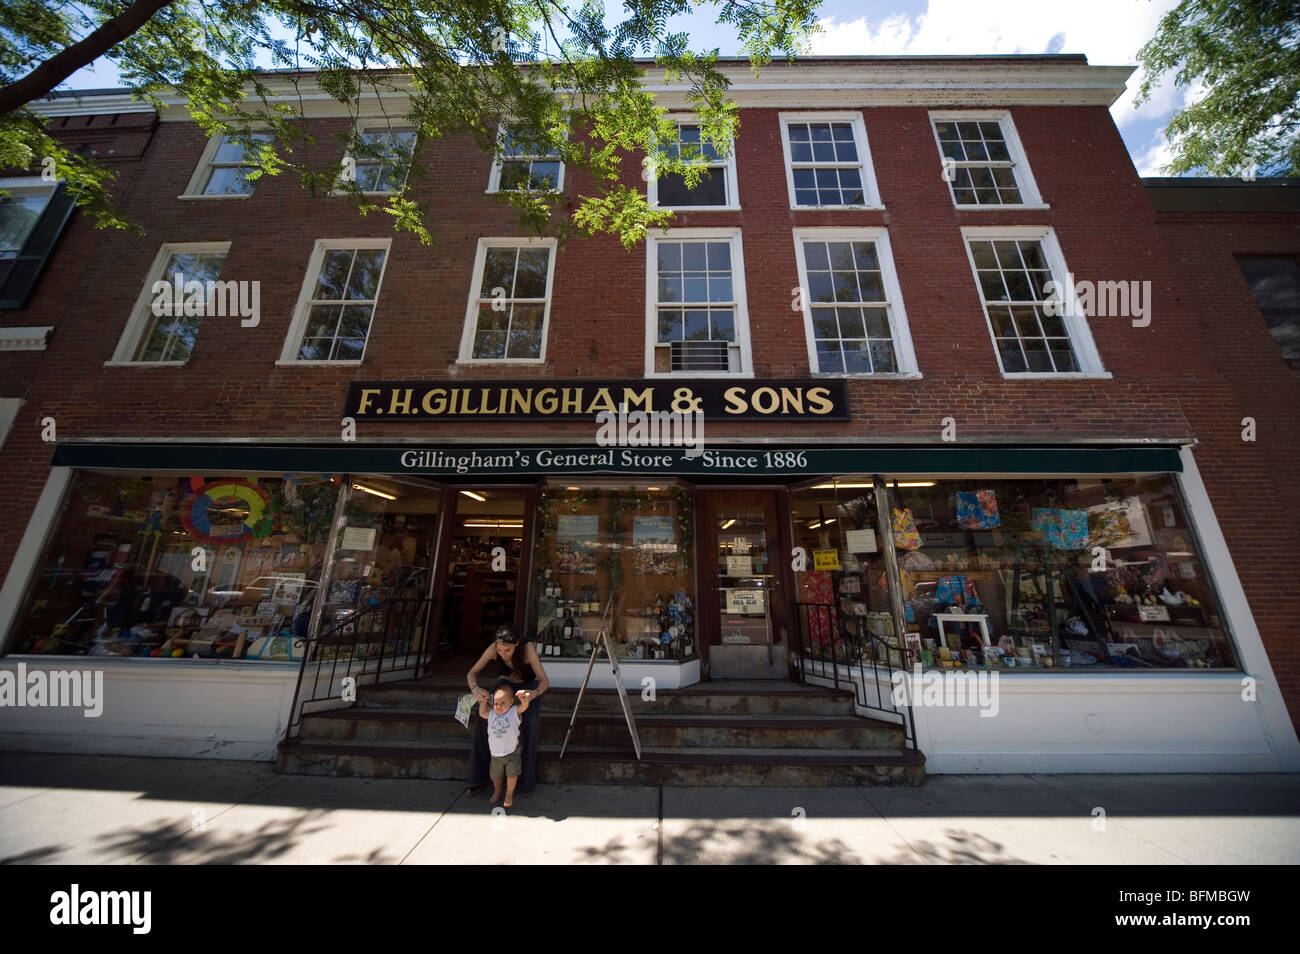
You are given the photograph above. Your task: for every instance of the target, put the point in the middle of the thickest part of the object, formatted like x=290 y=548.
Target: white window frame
x=1029 y=194
x=728 y=166
x=199 y=180
x=30 y=185
x=302 y=310
x=370 y=124
x=142 y=313
x=866 y=168
x=494 y=177
x=472 y=308
x=732 y=235
x=9 y=408
x=904 y=351
x=1085 y=348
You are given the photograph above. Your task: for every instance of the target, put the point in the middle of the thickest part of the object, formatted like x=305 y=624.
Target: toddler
x=503 y=741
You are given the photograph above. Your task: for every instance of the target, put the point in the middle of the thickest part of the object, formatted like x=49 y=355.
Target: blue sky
x=1108 y=32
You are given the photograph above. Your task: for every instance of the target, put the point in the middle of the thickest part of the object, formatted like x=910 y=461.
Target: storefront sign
x=745 y=602
x=440 y=459
x=826 y=559
x=860 y=541
x=825 y=400
x=739 y=566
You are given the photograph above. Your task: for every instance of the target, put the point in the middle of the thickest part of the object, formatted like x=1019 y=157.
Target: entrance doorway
x=744 y=603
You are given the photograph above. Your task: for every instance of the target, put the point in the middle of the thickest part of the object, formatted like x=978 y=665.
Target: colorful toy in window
x=226 y=512
x=905 y=534
x=1062 y=529
x=978 y=510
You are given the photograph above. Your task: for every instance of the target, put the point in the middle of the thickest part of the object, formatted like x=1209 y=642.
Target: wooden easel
x=603 y=640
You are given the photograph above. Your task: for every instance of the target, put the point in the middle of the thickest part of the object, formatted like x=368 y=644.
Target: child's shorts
x=506 y=766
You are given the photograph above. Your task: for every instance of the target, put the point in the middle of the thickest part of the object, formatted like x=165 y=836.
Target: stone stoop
x=748 y=733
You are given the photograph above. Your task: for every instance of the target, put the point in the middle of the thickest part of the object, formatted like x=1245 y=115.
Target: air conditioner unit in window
x=701 y=356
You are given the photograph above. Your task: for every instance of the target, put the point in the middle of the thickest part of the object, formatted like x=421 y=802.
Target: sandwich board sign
x=602 y=641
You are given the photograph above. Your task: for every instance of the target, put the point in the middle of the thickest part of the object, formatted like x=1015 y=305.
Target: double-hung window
x=510 y=300
x=827 y=162
x=982 y=160
x=181 y=289
x=1037 y=329
x=524 y=165
x=695 y=293
x=381 y=160
x=337 y=303
x=223 y=170
x=32 y=218
x=852 y=305
x=717 y=186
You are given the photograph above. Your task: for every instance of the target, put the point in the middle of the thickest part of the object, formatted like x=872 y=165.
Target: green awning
x=767 y=462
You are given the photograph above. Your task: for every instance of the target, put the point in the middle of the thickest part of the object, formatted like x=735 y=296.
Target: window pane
x=355 y=321
x=697 y=325
x=670 y=324
x=815 y=255
x=829 y=358
x=882 y=357
x=723 y=324
x=333 y=274
x=228 y=180
x=498 y=272
x=366 y=269
x=323 y=320
x=530 y=277
x=490 y=344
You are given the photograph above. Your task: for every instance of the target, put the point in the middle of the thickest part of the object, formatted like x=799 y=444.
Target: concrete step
x=657 y=766
x=669 y=730
x=712 y=698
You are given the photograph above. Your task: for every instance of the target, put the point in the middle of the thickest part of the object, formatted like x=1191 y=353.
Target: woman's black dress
x=480 y=756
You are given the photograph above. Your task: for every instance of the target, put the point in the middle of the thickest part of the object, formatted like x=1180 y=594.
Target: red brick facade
x=1201 y=365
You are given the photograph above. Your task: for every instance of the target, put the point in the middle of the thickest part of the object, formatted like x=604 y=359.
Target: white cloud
x=1151 y=162
x=1108 y=32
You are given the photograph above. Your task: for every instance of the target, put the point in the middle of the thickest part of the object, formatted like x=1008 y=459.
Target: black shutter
x=18 y=275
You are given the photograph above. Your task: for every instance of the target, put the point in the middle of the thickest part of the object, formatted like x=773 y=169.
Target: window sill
x=353 y=363
x=739 y=375
x=1032 y=207
x=482 y=361
x=890 y=376
x=1057 y=376
x=209 y=198
x=837 y=208
x=697 y=208
x=146 y=364
x=523 y=191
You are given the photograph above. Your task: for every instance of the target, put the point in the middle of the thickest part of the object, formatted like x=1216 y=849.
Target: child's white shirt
x=503 y=731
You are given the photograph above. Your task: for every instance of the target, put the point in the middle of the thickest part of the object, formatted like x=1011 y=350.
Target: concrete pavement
x=79 y=809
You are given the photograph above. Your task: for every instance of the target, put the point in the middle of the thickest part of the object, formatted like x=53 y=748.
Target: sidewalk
x=78 y=809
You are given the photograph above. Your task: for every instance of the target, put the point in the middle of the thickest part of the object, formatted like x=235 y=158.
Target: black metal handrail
x=396 y=627
x=827 y=639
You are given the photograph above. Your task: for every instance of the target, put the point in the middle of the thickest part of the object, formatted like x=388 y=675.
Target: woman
x=519 y=666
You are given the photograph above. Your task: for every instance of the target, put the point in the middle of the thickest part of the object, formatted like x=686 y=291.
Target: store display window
x=173 y=566
x=1090 y=573
x=617 y=556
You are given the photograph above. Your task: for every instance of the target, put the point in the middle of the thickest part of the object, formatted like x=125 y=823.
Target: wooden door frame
x=775 y=503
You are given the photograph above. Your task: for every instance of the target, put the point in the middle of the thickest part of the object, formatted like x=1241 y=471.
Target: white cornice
x=24 y=339
x=91 y=103
x=808 y=83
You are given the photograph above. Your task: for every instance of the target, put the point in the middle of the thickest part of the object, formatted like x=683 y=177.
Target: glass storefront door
x=744 y=598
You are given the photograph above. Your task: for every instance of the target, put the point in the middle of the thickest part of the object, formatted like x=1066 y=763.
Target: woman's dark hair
x=506 y=634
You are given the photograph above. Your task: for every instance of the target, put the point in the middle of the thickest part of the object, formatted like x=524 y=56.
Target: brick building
x=913 y=450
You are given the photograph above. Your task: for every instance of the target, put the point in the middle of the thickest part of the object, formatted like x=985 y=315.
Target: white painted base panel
x=1099 y=722
x=175 y=708
x=568 y=674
